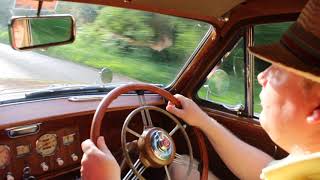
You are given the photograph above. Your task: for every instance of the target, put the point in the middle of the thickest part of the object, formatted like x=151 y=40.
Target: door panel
x=247 y=130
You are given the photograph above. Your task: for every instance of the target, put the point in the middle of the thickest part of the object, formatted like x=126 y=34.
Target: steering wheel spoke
x=176 y=128
x=133 y=132
x=140 y=171
x=146 y=117
x=167 y=172
x=130 y=173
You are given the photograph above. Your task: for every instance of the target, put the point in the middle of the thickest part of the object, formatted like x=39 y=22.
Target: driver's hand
x=98 y=162
x=190 y=112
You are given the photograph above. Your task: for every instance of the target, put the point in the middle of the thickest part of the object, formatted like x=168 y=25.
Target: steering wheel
x=156 y=146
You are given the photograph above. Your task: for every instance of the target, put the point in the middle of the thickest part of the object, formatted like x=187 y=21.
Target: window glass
x=136 y=46
x=226 y=84
x=265 y=34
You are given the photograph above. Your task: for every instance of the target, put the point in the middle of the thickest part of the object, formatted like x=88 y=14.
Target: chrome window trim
x=249 y=71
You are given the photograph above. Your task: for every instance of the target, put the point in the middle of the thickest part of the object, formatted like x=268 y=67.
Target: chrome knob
x=60 y=161
x=44 y=166
x=10 y=176
x=74 y=157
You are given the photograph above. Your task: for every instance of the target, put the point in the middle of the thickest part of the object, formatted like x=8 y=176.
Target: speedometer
x=47 y=144
x=4 y=156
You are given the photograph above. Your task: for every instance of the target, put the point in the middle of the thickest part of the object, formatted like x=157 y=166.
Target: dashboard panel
x=54 y=147
x=42 y=139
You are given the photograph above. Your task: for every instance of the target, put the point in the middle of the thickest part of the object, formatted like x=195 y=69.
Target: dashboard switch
x=60 y=161
x=74 y=157
x=10 y=176
x=44 y=166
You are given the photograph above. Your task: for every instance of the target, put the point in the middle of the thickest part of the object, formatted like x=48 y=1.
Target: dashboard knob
x=44 y=166
x=60 y=161
x=74 y=157
x=10 y=176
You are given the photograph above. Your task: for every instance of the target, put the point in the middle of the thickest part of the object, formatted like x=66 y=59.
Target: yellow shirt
x=306 y=167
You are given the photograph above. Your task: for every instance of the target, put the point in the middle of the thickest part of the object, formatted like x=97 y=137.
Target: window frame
x=247 y=32
x=218 y=106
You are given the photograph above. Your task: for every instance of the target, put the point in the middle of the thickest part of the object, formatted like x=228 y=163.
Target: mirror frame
x=71 y=40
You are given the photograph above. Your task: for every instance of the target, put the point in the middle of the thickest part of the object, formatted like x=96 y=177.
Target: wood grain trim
x=180 y=9
x=260 y=9
x=47 y=110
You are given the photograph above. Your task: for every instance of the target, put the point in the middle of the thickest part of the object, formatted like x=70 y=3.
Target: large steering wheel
x=156 y=146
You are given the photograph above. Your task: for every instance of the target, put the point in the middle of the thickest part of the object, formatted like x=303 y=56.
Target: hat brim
x=277 y=54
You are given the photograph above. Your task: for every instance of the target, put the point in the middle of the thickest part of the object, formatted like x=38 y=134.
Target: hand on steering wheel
x=156 y=146
x=97 y=161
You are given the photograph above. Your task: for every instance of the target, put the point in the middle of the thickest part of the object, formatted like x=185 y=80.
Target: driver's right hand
x=98 y=162
x=190 y=112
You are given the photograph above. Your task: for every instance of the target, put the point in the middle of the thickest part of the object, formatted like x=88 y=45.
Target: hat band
x=302 y=44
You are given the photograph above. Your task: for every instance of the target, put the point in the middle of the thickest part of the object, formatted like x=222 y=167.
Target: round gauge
x=4 y=156
x=47 y=144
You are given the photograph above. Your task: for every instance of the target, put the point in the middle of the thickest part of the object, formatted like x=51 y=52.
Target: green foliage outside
x=45 y=31
x=126 y=42
x=234 y=67
x=4 y=35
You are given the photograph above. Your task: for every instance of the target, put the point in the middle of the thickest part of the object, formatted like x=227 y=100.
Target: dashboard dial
x=68 y=139
x=4 y=156
x=47 y=144
x=23 y=150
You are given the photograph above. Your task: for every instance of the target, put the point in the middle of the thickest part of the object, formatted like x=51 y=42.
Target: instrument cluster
x=27 y=151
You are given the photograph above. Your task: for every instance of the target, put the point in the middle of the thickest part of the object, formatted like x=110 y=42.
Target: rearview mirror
x=42 y=31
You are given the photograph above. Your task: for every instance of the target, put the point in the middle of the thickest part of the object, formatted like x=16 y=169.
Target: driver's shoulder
x=293 y=167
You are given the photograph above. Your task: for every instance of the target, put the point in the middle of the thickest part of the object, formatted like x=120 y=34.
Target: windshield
x=130 y=45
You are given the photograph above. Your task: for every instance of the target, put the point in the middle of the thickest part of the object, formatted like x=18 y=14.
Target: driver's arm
x=244 y=160
x=98 y=162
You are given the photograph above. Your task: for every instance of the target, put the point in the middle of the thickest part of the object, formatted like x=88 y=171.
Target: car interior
x=41 y=132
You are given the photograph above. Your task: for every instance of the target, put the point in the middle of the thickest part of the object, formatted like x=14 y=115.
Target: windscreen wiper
x=74 y=90
x=69 y=90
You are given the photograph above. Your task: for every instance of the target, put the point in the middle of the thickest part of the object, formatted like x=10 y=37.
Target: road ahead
x=30 y=65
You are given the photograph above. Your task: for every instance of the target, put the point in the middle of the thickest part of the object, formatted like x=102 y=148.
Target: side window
x=265 y=34
x=226 y=85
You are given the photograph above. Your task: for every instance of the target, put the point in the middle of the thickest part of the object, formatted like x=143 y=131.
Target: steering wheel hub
x=161 y=144
x=157 y=147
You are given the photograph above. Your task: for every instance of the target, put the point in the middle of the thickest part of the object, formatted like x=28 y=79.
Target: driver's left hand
x=98 y=162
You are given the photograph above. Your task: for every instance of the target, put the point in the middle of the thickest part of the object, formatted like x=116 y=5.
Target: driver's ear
x=314 y=116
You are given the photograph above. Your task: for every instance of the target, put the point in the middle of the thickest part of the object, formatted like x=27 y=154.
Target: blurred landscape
x=146 y=46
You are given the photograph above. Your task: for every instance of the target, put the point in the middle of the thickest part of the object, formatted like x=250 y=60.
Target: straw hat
x=299 y=48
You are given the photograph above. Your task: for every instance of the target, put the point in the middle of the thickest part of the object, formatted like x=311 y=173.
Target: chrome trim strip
x=249 y=71
x=12 y=130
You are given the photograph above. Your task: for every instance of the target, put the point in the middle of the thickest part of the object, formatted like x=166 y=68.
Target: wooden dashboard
x=42 y=139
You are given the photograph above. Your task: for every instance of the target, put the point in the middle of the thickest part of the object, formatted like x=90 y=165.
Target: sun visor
x=198 y=9
x=211 y=8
